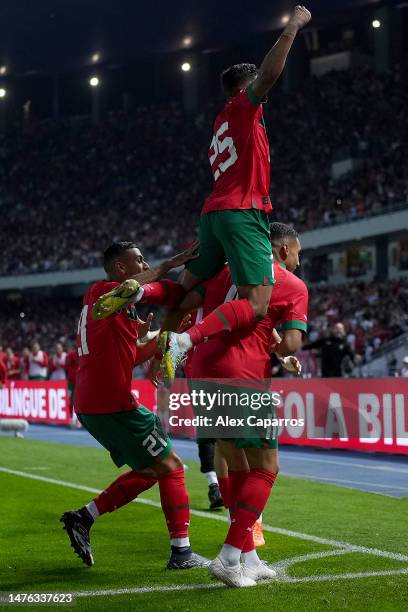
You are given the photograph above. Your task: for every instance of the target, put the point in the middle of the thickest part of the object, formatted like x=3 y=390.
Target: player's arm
x=155 y=274
x=192 y=300
x=294 y=320
x=291 y=343
x=275 y=60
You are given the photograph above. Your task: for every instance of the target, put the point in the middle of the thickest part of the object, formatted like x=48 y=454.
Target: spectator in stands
x=3 y=374
x=77 y=184
x=2 y=354
x=25 y=363
x=13 y=365
x=335 y=353
x=37 y=363
x=404 y=369
x=57 y=363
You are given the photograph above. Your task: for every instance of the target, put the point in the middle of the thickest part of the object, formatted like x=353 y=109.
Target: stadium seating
x=69 y=189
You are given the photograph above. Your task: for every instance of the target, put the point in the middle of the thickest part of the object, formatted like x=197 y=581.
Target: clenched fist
x=300 y=16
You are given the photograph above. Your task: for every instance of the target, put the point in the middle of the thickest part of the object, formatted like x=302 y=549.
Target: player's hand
x=275 y=340
x=292 y=364
x=300 y=16
x=181 y=258
x=144 y=326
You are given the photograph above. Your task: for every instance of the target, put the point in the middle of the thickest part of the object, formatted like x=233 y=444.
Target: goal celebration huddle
x=239 y=287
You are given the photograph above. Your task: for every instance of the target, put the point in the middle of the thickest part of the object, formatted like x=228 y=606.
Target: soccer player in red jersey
x=253 y=462
x=12 y=362
x=234 y=224
x=106 y=407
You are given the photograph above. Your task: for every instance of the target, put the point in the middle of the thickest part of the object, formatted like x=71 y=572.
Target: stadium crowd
x=372 y=313
x=69 y=189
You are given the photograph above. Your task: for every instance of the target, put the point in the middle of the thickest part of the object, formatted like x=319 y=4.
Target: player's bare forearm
x=155 y=274
x=291 y=343
x=275 y=60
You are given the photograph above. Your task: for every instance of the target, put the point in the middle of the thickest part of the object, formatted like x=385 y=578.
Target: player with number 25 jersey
x=234 y=223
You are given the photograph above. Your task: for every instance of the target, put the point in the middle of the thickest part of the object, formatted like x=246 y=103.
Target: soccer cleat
x=186 y=560
x=77 y=524
x=214 y=496
x=107 y=304
x=260 y=572
x=232 y=575
x=257 y=533
x=173 y=355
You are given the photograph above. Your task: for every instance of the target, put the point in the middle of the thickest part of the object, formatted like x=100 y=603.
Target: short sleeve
x=245 y=104
x=295 y=316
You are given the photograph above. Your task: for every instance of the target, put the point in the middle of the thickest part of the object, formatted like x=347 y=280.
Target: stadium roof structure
x=48 y=36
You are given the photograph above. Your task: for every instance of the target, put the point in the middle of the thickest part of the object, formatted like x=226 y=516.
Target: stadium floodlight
x=94 y=81
x=186 y=67
x=187 y=40
x=96 y=57
x=3 y=70
x=284 y=19
x=376 y=23
x=2 y=92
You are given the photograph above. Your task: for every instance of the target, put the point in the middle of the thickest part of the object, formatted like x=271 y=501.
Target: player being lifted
x=106 y=407
x=243 y=359
x=252 y=462
x=234 y=223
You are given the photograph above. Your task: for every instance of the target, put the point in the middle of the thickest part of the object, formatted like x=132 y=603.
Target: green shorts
x=134 y=437
x=240 y=237
x=244 y=416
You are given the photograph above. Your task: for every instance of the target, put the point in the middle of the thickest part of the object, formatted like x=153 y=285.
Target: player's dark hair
x=234 y=77
x=114 y=251
x=281 y=232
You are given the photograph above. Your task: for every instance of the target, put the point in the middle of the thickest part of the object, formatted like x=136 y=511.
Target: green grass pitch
x=312 y=526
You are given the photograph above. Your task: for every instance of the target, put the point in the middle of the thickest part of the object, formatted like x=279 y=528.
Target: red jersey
x=239 y=157
x=13 y=368
x=246 y=352
x=3 y=373
x=107 y=355
x=71 y=366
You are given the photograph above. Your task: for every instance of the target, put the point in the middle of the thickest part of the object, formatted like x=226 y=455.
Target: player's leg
x=244 y=236
x=223 y=566
x=221 y=469
x=206 y=453
x=136 y=438
x=249 y=505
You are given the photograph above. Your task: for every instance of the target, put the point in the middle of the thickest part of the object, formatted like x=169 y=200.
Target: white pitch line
x=349 y=576
x=286 y=532
x=218 y=585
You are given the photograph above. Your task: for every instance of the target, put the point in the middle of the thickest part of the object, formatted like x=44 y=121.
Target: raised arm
x=155 y=274
x=274 y=62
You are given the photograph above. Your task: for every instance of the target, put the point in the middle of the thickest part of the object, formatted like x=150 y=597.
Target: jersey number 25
x=220 y=145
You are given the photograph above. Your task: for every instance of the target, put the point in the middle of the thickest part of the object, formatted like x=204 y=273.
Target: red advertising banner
x=355 y=414
x=48 y=402
x=358 y=414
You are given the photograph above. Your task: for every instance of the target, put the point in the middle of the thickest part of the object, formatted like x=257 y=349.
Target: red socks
x=250 y=503
x=227 y=317
x=223 y=483
x=237 y=479
x=123 y=490
x=175 y=503
x=162 y=292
